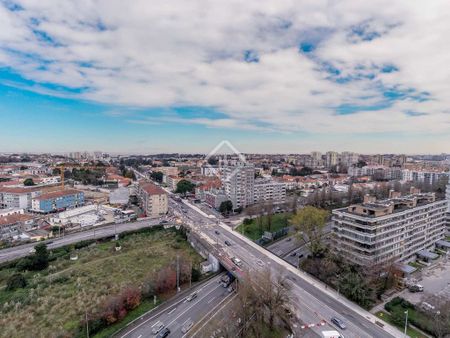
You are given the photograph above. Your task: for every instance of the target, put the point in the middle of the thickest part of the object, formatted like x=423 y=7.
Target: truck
x=332 y=334
x=227 y=279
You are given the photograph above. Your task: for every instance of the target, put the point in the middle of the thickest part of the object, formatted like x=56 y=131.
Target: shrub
x=16 y=281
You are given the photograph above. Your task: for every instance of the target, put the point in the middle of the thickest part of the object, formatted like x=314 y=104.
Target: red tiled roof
x=14 y=218
x=151 y=188
x=19 y=190
x=56 y=194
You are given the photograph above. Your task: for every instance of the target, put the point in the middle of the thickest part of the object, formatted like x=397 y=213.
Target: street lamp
x=406 y=321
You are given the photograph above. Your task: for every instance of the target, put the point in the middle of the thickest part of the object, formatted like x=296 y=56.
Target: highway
x=175 y=315
x=95 y=233
x=314 y=302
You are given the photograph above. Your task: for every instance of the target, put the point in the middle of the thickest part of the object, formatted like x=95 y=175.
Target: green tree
x=40 y=259
x=157 y=176
x=309 y=223
x=354 y=286
x=185 y=186
x=16 y=281
x=226 y=207
x=28 y=182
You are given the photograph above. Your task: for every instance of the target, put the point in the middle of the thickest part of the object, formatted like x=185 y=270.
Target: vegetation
x=86 y=176
x=16 y=281
x=389 y=319
x=254 y=228
x=38 y=261
x=105 y=283
x=309 y=223
x=226 y=207
x=28 y=182
x=184 y=187
x=157 y=176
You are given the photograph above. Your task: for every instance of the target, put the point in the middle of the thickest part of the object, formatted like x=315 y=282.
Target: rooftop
x=151 y=188
x=12 y=219
x=57 y=194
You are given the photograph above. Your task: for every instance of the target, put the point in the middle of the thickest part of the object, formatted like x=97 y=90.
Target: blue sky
x=182 y=77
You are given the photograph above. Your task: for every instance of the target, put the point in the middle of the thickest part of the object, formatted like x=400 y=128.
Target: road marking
x=172 y=311
x=139 y=336
x=209 y=301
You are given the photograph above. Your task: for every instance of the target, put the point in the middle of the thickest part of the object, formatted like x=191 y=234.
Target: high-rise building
x=348 y=158
x=239 y=184
x=447 y=197
x=393 y=229
x=153 y=199
x=331 y=159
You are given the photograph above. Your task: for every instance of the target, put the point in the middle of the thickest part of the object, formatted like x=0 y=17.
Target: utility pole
x=178 y=273
x=87 y=324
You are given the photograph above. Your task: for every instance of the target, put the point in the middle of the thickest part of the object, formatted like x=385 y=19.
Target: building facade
x=394 y=229
x=57 y=201
x=18 y=198
x=268 y=190
x=239 y=182
x=153 y=199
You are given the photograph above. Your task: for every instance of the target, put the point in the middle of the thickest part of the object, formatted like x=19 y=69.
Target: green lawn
x=53 y=303
x=413 y=333
x=253 y=230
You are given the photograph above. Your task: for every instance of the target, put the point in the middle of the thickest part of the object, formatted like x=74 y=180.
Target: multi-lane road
x=95 y=233
x=180 y=312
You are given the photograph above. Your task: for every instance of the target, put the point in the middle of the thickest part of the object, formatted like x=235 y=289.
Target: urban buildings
x=239 y=182
x=57 y=201
x=269 y=190
x=18 y=197
x=331 y=159
x=153 y=199
x=447 y=197
x=394 y=229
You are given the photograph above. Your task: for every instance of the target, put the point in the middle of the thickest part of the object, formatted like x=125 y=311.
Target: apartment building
x=239 y=182
x=394 y=229
x=18 y=197
x=331 y=159
x=269 y=190
x=447 y=197
x=423 y=176
x=57 y=201
x=348 y=158
x=153 y=199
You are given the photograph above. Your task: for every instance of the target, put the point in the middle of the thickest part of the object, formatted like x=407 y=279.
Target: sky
x=268 y=76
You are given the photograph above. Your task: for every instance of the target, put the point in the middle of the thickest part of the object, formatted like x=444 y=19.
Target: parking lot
x=435 y=281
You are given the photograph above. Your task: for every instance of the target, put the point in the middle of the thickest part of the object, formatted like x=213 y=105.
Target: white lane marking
x=172 y=311
x=209 y=301
x=161 y=312
x=139 y=336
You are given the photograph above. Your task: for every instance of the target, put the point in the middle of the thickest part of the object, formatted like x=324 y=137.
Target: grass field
x=410 y=331
x=253 y=230
x=54 y=302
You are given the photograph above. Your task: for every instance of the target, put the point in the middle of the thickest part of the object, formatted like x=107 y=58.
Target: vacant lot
x=54 y=302
x=254 y=230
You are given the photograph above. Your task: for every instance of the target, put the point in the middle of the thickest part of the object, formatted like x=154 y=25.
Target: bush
x=16 y=281
x=195 y=275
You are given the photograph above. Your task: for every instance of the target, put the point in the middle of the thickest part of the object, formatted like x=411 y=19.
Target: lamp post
x=406 y=322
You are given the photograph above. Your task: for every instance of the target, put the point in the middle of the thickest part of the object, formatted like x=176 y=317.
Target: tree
x=309 y=223
x=185 y=186
x=157 y=176
x=354 y=286
x=16 y=281
x=28 y=182
x=40 y=259
x=226 y=207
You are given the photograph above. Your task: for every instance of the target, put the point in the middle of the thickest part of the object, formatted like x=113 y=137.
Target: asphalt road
x=104 y=231
x=313 y=305
x=179 y=311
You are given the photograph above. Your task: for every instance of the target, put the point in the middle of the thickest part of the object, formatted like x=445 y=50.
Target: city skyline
x=273 y=79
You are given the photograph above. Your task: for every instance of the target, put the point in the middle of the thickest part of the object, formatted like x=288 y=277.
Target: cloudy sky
x=269 y=76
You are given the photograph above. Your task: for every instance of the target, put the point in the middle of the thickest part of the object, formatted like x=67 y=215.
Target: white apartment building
x=394 y=229
x=269 y=190
x=348 y=158
x=447 y=197
x=18 y=197
x=239 y=182
x=331 y=159
x=153 y=199
x=423 y=176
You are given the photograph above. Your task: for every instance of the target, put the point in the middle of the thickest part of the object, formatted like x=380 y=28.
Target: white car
x=236 y=261
x=157 y=327
x=187 y=326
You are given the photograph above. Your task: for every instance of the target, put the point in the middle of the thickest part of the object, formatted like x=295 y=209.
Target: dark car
x=293 y=254
x=227 y=243
x=217 y=232
x=164 y=333
x=338 y=322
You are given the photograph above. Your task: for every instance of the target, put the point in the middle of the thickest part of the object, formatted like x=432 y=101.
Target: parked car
x=164 y=333
x=293 y=254
x=338 y=322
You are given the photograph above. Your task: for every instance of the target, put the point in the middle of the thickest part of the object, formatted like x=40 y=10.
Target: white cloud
x=190 y=53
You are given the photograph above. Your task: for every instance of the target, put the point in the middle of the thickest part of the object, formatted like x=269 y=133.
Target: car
x=192 y=296
x=157 y=327
x=217 y=232
x=236 y=261
x=338 y=322
x=289 y=239
x=300 y=255
x=227 y=243
x=164 y=333
x=187 y=326
x=293 y=254
x=163 y=222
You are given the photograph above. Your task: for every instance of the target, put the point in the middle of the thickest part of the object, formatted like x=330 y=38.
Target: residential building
x=18 y=197
x=393 y=229
x=331 y=159
x=214 y=198
x=447 y=197
x=348 y=158
x=423 y=176
x=153 y=199
x=57 y=201
x=11 y=226
x=239 y=184
x=269 y=190
x=172 y=182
